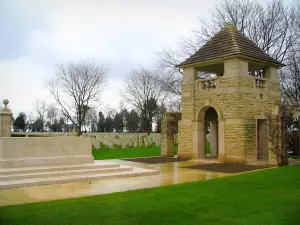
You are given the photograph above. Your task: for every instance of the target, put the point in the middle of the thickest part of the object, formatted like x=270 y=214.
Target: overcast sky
x=122 y=34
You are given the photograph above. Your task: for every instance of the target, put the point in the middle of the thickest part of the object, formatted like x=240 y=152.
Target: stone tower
x=233 y=102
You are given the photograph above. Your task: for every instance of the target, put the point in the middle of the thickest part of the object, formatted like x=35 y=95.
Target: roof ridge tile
x=229 y=41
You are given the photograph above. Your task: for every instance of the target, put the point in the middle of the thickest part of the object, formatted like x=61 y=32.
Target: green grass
x=175 y=149
x=207 y=147
x=263 y=197
x=119 y=153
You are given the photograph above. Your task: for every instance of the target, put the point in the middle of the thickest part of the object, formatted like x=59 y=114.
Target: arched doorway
x=211 y=133
x=208 y=129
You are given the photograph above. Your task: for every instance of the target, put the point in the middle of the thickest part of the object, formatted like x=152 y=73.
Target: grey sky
x=36 y=35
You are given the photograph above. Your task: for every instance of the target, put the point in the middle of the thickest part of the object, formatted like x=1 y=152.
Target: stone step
x=44 y=169
x=36 y=174
x=74 y=178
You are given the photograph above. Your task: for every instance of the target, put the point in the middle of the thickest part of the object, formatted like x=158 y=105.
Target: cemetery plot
x=125 y=140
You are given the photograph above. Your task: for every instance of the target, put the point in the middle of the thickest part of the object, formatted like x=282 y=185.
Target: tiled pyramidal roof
x=228 y=42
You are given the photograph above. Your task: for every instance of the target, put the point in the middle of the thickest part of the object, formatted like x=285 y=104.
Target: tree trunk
x=79 y=129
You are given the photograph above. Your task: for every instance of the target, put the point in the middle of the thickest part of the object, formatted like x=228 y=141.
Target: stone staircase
x=31 y=176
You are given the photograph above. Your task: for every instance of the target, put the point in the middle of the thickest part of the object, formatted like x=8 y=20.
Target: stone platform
x=26 y=161
x=31 y=176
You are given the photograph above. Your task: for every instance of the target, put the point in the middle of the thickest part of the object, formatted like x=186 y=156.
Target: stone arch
x=205 y=106
x=199 y=134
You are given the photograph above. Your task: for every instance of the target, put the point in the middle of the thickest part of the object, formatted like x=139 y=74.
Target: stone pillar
x=185 y=125
x=235 y=67
x=5 y=120
x=214 y=138
x=198 y=151
x=262 y=139
x=272 y=74
x=167 y=136
x=221 y=140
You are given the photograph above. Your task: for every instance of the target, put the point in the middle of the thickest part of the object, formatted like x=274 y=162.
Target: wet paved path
x=170 y=173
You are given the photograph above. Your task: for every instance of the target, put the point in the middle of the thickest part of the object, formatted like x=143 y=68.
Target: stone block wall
x=240 y=141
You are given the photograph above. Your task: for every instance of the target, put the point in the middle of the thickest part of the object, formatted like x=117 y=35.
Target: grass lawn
x=262 y=197
x=207 y=147
x=119 y=153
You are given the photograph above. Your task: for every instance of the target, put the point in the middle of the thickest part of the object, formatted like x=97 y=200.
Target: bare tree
x=76 y=87
x=297 y=24
x=41 y=110
x=174 y=105
x=90 y=121
x=52 y=113
x=290 y=80
x=93 y=120
x=279 y=133
x=272 y=27
x=166 y=63
x=29 y=122
x=145 y=92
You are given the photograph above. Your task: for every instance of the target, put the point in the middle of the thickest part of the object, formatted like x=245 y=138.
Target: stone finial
x=5 y=102
x=5 y=109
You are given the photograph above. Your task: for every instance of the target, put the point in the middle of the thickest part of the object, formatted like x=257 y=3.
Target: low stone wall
x=109 y=139
x=39 y=134
x=44 y=151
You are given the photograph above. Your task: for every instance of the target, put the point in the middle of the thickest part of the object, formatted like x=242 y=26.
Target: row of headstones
x=125 y=140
